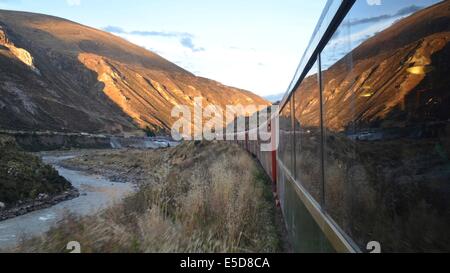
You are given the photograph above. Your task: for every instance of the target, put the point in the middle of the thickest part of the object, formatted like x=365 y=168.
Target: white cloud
x=73 y=2
x=260 y=71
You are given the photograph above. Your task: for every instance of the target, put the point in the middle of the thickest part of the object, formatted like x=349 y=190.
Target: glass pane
x=330 y=9
x=285 y=149
x=386 y=118
x=308 y=135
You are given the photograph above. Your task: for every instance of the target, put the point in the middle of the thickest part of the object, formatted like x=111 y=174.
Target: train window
x=387 y=125
x=308 y=135
x=285 y=149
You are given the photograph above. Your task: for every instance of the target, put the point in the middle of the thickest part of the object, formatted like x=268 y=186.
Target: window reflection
x=308 y=135
x=387 y=125
x=286 y=151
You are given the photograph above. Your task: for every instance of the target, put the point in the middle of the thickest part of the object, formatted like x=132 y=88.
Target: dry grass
x=134 y=166
x=213 y=198
x=394 y=192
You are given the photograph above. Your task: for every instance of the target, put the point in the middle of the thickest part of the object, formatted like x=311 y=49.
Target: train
x=363 y=161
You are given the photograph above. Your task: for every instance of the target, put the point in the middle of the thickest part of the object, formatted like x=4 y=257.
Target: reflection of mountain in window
x=359 y=29
x=382 y=77
x=386 y=130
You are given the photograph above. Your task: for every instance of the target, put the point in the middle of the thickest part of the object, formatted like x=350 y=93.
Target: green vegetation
x=154 y=131
x=205 y=197
x=23 y=176
x=149 y=132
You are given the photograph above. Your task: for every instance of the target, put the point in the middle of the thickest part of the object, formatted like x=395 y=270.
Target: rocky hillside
x=397 y=77
x=62 y=76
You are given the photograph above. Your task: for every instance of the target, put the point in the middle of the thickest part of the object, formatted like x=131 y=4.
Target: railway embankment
x=197 y=197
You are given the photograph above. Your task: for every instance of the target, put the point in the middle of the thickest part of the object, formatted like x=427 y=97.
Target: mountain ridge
x=89 y=80
x=386 y=80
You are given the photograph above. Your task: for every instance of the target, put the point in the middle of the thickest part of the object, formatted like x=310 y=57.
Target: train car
x=362 y=163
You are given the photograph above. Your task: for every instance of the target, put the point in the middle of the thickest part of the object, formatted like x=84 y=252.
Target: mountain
x=62 y=76
x=397 y=78
x=275 y=98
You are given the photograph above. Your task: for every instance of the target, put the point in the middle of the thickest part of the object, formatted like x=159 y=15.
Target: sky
x=366 y=20
x=250 y=44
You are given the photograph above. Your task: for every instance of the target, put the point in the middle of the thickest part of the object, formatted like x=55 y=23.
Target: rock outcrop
x=19 y=53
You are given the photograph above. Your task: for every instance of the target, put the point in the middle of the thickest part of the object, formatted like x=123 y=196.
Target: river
x=97 y=193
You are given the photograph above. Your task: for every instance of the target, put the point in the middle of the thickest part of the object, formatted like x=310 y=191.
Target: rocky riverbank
x=42 y=202
x=96 y=193
x=138 y=167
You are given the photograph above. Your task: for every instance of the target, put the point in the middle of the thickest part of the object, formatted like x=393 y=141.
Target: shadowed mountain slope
x=62 y=76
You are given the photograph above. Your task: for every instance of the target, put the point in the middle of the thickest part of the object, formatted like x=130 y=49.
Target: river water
x=97 y=193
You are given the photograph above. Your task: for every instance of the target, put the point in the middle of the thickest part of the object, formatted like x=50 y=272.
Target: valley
x=187 y=200
x=61 y=76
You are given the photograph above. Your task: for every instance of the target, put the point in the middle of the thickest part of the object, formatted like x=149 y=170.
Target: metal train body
x=364 y=148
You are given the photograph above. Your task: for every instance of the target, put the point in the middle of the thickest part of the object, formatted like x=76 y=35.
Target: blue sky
x=366 y=20
x=250 y=44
